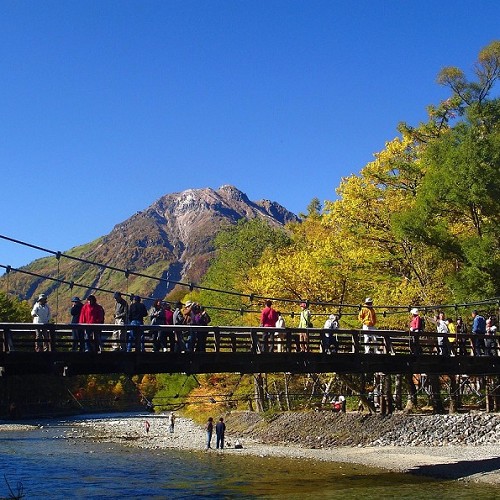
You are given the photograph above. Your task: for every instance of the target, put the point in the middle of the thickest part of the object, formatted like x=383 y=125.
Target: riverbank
x=461 y=447
x=464 y=447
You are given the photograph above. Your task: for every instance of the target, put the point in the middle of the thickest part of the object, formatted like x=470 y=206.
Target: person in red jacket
x=268 y=318
x=92 y=313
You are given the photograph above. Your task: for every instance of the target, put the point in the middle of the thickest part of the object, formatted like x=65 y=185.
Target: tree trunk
x=278 y=396
x=359 y=389
x=386 y=402
x=496 y=393
x=411 y=402
x=287 y=393
x=454 y=399
x=258 y=384
x=326 y=392
x=398 y=392
x=435 y=396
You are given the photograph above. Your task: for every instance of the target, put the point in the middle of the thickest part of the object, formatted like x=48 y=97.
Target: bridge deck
x=243 y=350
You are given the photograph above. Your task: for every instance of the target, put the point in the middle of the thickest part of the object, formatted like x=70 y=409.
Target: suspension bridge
x=231 y=349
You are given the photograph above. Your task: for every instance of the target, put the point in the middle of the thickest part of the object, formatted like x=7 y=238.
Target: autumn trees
x=418 y=225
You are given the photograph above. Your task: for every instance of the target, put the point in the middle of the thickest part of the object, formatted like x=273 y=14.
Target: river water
x=44 y=464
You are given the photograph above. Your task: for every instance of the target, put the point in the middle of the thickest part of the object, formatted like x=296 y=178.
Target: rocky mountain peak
x=172 y=239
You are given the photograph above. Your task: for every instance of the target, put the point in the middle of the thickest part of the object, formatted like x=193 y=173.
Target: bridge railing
x=186 y=338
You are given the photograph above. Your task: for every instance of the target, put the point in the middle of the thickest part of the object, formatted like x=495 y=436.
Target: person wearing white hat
x=41 y=315
x=416 y=323
x=368 y=319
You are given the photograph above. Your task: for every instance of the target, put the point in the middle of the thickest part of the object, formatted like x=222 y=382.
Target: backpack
x=422 y=325
x=178 y=317
x=331 y=324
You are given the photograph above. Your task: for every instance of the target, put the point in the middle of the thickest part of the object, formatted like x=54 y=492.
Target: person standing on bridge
x=478 y=328
x=178 y=319
x=41 y=315
x=416 y=322
x=442 y=330
x=169 y=320
x=121 y=318
x=157 y=317
x=137 y=313
x=330 y=343
x=368 y=318
x=490 y=342
x=77 y=334
x=92 y=314
x=268 y=318
x=304 y=322
x=280 y=335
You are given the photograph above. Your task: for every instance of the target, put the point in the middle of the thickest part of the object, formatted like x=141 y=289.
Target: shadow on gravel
x=458 y=470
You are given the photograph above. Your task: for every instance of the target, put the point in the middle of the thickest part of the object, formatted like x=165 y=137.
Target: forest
x=418 y=226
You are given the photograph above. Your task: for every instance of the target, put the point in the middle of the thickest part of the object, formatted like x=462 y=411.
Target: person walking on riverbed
x=171 y=422
x=220 y=429
x=210 y=429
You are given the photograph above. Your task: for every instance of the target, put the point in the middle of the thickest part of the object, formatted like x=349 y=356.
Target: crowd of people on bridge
x=88 y=339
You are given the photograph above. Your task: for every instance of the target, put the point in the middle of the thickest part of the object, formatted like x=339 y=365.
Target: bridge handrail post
x=388 y=343
x=288 y=341
x=3 y=338
x=217 y=339
x=52 y=336
x=255 y=341
x=355 y=341
x=137 y=338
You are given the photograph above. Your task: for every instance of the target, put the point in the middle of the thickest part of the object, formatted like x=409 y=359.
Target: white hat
x=42 y=296
x=189 y=303
x=368 y=300
x=414 y=311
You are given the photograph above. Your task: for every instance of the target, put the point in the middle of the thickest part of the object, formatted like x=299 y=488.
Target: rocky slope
x=324 y=429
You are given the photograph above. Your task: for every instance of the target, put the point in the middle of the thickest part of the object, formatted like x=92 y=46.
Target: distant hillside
x=172 y=239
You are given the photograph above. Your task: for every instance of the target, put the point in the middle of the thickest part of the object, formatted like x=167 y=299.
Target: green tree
x=238 y=250
x=14 y=310
x=456 y=209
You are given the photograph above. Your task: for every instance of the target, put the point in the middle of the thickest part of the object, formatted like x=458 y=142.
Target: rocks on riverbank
x=327 y=429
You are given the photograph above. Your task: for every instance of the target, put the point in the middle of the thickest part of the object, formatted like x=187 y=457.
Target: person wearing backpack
x=330 y=342
x=416 y=323
x=304 y=322
x=178 y=319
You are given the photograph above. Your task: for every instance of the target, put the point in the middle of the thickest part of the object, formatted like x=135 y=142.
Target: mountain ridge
x=172 y=239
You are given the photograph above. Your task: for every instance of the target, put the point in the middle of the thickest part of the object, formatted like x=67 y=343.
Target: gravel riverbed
x=460 y=446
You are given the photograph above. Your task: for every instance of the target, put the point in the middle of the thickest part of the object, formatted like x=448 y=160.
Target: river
x=43 y=463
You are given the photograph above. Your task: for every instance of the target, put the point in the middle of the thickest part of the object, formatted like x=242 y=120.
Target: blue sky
x=108 y=105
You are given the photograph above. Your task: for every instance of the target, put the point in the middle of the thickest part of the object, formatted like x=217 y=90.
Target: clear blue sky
x=108 y=105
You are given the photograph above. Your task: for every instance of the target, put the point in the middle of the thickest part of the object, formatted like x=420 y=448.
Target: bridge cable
x=251 y=296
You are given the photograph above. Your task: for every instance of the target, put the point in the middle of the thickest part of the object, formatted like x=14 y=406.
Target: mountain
x=172 y=239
